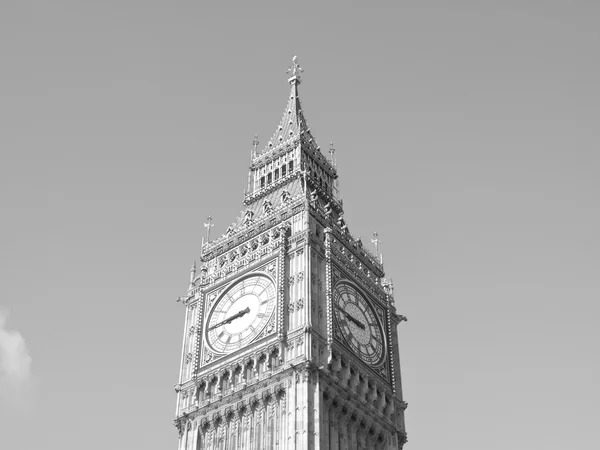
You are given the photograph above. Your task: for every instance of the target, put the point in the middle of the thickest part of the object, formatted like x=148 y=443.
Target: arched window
x=200 y=393
x=199 y=445
x=271 y=434
x=258 y=436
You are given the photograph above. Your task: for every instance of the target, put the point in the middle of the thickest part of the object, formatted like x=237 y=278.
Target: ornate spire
x=192 y=273
x=255 y=143
x=292 y=124
x=377 y=241
x=208 y=226
x=332 y=154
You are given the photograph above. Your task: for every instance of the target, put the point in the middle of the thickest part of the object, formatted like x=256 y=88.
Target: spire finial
x=377 y=241
x=294 y=70
x=332 y=153
x=193 y=273
x=255 y=143
x=208 y=226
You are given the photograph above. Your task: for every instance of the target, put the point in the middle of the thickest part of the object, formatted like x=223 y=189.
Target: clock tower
x=290 y=337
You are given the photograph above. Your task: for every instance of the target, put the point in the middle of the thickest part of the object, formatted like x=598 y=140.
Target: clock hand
x=231 y=319
x=352 y=319
x=357 y=322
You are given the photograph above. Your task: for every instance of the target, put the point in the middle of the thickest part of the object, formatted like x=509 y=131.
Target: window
x=269 y=178
x=258 y=437
x=271 y=431
x=283 y=171
x=249 y=372
x=200 y=393
x=225 y=384
x=276 y=174
x=291 y=166
x=262 y=182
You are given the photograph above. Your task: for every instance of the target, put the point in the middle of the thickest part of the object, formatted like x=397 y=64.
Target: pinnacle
x=293 y=123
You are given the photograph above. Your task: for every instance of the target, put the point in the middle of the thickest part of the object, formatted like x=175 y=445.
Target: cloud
x=15 y=364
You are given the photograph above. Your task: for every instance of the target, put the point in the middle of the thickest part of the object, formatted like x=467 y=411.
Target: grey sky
x=466 y=135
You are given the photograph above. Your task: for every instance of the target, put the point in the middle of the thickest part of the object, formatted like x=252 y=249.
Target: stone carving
x=271 y=325
x=248 y=217
x=267 y=207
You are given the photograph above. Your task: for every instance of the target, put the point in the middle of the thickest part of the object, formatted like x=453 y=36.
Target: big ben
x=290 y=337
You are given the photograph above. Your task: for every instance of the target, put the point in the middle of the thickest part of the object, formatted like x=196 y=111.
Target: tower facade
x=290 y=337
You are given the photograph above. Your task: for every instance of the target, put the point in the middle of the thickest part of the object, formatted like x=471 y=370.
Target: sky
x=467 y=136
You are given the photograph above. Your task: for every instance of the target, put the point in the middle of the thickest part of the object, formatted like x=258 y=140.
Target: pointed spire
x=193 y=273
x=208 y=226
x=377 y=241
x=292 y=124
x=255 y=143
x=332 y=154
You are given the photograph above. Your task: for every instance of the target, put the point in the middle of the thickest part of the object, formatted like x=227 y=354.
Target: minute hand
x=231 y=319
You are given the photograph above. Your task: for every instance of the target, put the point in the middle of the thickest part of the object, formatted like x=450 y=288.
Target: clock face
x=358 y=323
x=241 y=313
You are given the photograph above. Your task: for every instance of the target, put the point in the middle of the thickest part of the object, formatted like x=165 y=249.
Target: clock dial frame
x=241 y=313
x=358 y=323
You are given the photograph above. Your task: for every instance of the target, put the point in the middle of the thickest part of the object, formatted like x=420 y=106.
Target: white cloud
x=15 y=364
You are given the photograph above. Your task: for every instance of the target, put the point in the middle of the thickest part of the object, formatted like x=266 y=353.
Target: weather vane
x=295 y=70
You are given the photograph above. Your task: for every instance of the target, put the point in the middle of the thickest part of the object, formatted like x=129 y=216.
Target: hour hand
x=352 y=319
x=231 y=319
x=357 y=322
